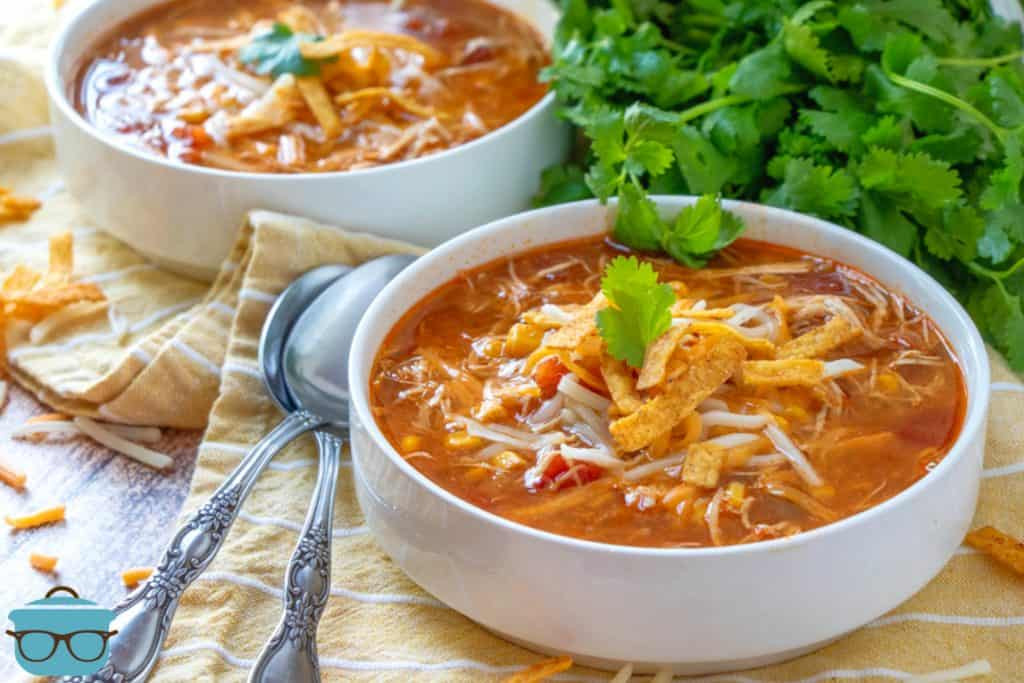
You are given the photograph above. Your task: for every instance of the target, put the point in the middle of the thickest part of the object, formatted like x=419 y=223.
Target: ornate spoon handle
x=144 y=617
x=290 y=654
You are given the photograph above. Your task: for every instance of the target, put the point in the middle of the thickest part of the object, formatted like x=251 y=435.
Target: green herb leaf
x=902 y=119
x=276 y=52
x=700 y=231
x=640 y=309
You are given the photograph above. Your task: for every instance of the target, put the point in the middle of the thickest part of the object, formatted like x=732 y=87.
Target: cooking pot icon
x=61 y=636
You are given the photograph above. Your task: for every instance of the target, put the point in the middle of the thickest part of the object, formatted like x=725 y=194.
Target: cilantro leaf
x=819 y=190
x=560 y=184
x=640 y=309
x=930 y=182
x=638 y=224
x=699 y=231
x=902 y=119
x=276 y=52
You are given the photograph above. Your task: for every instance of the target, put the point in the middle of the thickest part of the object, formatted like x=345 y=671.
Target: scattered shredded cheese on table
x=39 y=518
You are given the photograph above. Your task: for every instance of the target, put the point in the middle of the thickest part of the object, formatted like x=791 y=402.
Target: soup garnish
x=279 y=86
x=593 y=392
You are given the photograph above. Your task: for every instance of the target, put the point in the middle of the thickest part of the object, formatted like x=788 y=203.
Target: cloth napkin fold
x=174 y=352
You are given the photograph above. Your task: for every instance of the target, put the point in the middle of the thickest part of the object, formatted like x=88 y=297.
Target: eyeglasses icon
x=39 y=646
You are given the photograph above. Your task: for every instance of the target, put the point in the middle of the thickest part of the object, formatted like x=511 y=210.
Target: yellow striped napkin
x=168 y=350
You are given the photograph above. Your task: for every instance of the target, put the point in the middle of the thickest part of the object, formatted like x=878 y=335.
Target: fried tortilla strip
x=795 y=372
x=281 y=104
x=300 y=19
x=819 y=341
x=584 y=323
x=21 y=281
x=395 y=96
x=713 y=362
x=756 y=346
x=703 y=464
x=541 y=670
x=62 y=259
x=39 y=303
x=16 y=208
x=319 y=102
x=338 y=43
x=620 y=384
x=656 y=358
x=1003 y=548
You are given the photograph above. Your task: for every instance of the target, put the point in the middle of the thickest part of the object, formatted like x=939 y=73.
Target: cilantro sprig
x=900 y=119
x=277 y=52
x=640 y=310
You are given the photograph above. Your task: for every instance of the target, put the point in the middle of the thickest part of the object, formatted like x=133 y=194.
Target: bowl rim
x=976 y=387
x=58 y=96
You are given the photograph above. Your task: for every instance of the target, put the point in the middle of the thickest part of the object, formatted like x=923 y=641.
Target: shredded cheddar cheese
x=38 y=518
x=44 y=563
x=12 y=477
x=132 y=577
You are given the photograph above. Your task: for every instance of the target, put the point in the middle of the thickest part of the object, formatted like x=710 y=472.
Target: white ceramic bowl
x=694 y=610
x=186 y=217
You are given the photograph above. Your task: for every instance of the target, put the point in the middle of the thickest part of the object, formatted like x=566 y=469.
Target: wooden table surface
x=119 y=513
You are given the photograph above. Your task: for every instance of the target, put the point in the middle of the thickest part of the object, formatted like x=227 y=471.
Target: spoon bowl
x=316 y=354
x=280 y=320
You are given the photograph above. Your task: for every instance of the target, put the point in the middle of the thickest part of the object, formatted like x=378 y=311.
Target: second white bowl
x=186 y=217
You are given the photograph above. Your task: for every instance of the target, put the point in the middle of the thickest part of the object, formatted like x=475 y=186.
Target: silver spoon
x=325 y=329
x=144 y=617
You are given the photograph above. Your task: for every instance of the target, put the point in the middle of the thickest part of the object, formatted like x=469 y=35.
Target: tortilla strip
x=346 y=40
x=712 y=364
x=62 y=260
x=819 y=341
x=395 y=96
x=16 y=208
x=703 y=464
x=795 y=372
x=1003 y=548
x=584 y=322
x=319 y=102
x=620 y=385
x=38 y=304
x=657 y=356
x=21 y=280
x=755 y=345
x=300 y=19
x=279 y=105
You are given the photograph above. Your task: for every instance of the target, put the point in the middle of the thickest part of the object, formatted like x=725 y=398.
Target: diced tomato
x=538 y=479
x=199 y=137
x=548 y=374
x=578 y=475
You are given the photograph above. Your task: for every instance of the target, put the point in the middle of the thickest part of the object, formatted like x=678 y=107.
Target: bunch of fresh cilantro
x=901 y=119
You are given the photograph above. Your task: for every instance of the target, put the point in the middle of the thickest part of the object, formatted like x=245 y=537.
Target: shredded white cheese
x=797 y=459
x=114 y=442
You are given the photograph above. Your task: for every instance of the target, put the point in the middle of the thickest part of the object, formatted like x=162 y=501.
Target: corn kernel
x=796 y=412
x=492 y=349
x=461 y=439
x=194 y=115
x=889 y=382
x=476 y=474
x=507 y=460
x=410 y=443
x=523 y=339
x=824 y=491
x=735 y=493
